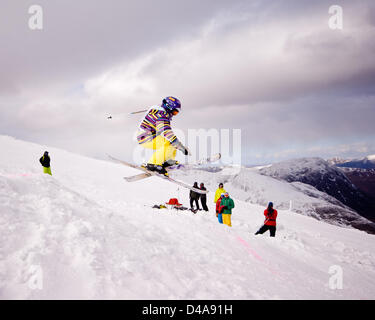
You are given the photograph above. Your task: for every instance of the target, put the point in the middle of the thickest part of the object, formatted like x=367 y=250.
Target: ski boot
x=155 y=167
x=172 y=164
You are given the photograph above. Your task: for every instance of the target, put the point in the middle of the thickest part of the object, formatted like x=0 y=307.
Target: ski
x=196 y=164
x=200 y=162
x=138 y=177
x=153 y=173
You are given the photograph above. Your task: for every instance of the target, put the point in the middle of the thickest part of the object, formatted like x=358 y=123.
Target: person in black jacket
x=194 y=197
x=203 y=197
x=45 y=161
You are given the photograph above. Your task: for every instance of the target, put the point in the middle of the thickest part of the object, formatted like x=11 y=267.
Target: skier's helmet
x=171 y=103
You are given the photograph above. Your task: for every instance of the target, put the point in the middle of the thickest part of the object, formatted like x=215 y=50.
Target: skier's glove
x=185 y=151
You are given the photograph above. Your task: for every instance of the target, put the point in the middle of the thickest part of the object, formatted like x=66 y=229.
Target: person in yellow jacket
x=219 y=192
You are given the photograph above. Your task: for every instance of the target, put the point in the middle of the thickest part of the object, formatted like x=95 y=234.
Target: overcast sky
x=274 y=69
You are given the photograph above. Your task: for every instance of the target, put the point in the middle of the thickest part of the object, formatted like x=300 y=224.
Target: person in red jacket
x=219 y=208
x=270 y=222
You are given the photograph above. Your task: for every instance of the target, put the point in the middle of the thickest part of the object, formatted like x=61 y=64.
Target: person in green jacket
x=227 y=204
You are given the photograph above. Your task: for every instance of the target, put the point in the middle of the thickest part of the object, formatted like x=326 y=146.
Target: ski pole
x=130 y=113
x=135 y=112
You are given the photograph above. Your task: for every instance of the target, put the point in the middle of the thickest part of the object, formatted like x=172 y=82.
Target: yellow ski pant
x=47 y=170
x=164 y=150
x=227 y=219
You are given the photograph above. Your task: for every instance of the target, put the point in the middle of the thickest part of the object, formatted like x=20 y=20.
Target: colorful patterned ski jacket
x=157 y=122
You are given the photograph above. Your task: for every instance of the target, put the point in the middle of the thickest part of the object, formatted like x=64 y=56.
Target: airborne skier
x=156 y=133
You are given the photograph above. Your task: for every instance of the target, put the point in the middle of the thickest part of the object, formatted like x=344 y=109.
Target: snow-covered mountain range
x=326 y=178
x=84 y=233
x=367 y=162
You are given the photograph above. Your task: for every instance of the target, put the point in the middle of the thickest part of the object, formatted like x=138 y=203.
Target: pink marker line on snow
x=249 y=249
x=257 y=256
x=16 y=175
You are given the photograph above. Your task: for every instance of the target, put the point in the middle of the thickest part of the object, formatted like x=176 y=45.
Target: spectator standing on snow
x=45 y=161
x=227 y=204
x=194 y=197
x=270 y=222
x=218 y=209
x=203 y=197
x=218 y=192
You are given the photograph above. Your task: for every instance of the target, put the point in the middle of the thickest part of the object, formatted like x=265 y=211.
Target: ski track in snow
x=94 y=236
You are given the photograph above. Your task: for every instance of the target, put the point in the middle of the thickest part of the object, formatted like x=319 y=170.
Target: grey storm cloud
x=273 y=69
x=81 y=38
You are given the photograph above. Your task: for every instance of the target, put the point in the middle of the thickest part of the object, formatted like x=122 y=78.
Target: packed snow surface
x=85 y=233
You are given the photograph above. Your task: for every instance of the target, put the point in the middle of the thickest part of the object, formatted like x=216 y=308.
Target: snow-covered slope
x=85 y=233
